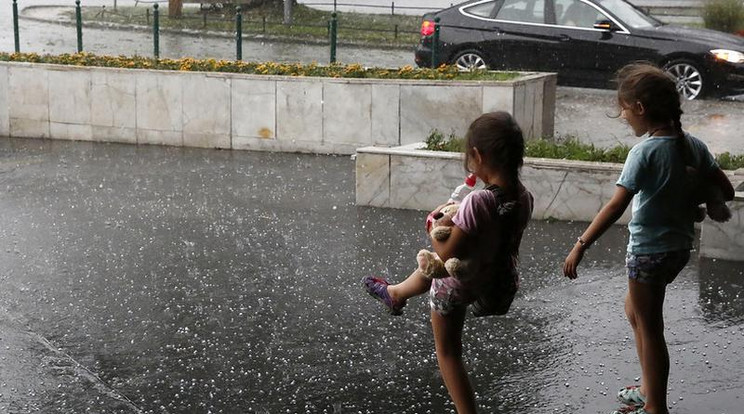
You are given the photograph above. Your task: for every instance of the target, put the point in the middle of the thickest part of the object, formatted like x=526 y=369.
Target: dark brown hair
x=499 y=140
x=654 y=89
x=645 y=83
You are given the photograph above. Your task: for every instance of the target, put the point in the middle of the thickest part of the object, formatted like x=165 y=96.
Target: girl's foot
x=631 y=396
x=377 y=288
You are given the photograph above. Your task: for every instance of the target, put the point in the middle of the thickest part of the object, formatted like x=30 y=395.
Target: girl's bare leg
x=630 y=313
x=648 y=304
x=448 y=343
x=414 y=285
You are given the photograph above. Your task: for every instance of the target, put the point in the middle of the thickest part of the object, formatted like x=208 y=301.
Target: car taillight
x=427 y=28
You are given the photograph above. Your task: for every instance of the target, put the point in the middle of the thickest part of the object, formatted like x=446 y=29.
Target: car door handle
x=564 y=38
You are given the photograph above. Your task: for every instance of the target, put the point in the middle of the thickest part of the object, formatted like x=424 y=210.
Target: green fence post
x=334 y=27
x=156 y=30
x=239 y=31
x=435 y=44
x=15 y=27
x=79 y=22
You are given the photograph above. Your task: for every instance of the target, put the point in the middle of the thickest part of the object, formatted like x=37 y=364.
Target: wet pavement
x=169 y=280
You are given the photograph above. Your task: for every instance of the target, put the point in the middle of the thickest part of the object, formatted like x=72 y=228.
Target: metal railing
x=152 y=16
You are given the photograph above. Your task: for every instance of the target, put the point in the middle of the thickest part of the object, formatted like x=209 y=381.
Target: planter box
x=275 y=113
x=410 y=178
x=725 y=240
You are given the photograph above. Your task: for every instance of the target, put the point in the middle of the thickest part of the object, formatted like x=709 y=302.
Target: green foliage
x=572 y=149
x=728 y=161
x=724 y=15
x=568 y=149
x=437 y=141
x=258 y=68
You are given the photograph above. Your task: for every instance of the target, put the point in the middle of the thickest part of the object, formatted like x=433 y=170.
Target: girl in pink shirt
x=487 y=231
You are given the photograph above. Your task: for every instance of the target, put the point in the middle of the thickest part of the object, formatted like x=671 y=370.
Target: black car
x=584 y=41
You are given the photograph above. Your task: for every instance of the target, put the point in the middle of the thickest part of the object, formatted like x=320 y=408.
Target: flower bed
x=255 y=106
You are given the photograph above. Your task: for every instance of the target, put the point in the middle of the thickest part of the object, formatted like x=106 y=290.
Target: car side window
x=528 y=11
x=481 y=9
x=575 y=13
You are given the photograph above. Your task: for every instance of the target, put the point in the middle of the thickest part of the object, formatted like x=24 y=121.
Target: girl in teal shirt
x=658 y=178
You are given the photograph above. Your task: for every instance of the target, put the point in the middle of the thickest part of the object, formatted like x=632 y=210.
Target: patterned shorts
x=656 y=268
x=447 y=294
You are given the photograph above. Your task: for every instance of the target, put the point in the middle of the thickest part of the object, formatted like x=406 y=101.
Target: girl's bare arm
x=454 y=246
x=608 y=215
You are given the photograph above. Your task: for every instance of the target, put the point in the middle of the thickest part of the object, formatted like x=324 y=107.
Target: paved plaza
x=144 y=279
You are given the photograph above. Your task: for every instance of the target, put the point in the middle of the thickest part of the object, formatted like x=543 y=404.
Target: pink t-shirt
x=497 y=222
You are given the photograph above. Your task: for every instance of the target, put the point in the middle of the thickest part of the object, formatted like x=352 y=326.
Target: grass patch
x=307 y=23
x=258 y=68
x=567 y=148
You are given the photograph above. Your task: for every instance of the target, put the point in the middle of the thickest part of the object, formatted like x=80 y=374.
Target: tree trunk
x=175 y=8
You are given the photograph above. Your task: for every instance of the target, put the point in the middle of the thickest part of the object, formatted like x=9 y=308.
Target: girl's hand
x=572 y=261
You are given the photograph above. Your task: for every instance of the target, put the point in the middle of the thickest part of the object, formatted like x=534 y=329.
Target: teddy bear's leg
x=457 y=268
x=718 y=211
x=430 y=265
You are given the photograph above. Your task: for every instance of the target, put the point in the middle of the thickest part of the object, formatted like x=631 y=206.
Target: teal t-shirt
x=663 y=212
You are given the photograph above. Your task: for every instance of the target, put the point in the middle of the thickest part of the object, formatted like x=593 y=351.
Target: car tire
x=690 y=79
x=468 y=60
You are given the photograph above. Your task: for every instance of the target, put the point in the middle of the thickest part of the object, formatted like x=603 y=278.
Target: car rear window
x=481 y=9
x=529 y=11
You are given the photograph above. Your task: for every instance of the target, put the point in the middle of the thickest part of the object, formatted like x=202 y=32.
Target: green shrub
x=444 y=72
x=724 y=15
x=437 y=141
x=568 y=149
x=729 y=161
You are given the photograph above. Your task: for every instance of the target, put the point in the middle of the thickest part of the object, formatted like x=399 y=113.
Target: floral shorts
x=656 y=268
x=447 y=294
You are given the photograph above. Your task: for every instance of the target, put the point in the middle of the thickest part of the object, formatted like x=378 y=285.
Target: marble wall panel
x=570 y=193
x=73 y=132
x=520 y=89
x=422 y=183
x=725 y=240
x=159 y=108
x=69 y=99
x=450 y=109
x=299 y=110
x=158 y=137
x=498 y=98
x=253 y=109
x=28 y=110
x=548 y=108
x=373 y=180
x=113 y=103
x=385 y=109
x=206 y=111
x=4 y=102
x=347 y=112
x=114 y=134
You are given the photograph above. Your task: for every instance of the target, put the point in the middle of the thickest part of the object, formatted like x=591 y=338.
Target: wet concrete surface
x=170 y=280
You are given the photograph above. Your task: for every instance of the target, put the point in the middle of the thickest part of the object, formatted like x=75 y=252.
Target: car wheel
x=470 y=60
x=690 y=80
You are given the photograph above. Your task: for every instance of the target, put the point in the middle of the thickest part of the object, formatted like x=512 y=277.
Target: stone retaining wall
x=237 y=111
x=410 y=178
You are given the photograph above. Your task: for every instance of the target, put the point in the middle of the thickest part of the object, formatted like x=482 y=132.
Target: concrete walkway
x=169 y=280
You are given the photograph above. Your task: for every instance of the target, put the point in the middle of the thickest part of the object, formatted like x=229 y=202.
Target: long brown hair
x=657 y=91
x=499 y=139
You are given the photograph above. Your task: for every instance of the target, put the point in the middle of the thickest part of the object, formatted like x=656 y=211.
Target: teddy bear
x=711 y=195
x=430 y=265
